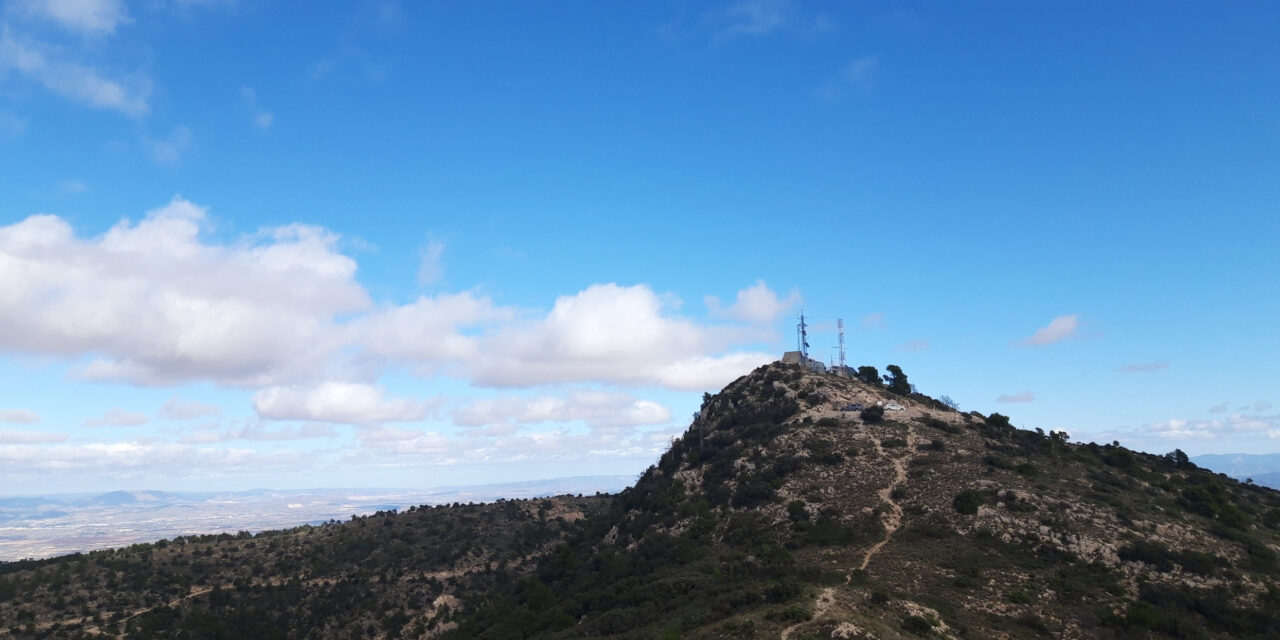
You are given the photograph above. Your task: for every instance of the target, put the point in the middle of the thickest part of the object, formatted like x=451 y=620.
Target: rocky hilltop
x=785 y=510
x=781 y=512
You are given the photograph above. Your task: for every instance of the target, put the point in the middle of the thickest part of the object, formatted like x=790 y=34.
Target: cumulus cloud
x=1147 y=367
x=260 y=433
x=1059 y=329
x=155 y=302
x=612 y=333
x=393 y=447
x=72 y=79
x=343 y=402
x=178 y=409
x=756 y=304
x=596 y=408
x=118 y=418
x=430 y=330
x=1021 y=396
x=19 y=416
x=1236 y=424
x=91 y=17
x=20 y=436
x=120 y=461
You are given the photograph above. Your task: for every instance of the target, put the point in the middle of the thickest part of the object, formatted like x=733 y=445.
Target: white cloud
x=431 y=268
x=757 y=304
x=169 y=149
x=751 y=18
x=393 y=447
x=596 y=408
x=261 y=118
x=120 y=461
x=873 y=321
x=157 y=303
x=260 y=433
x=70 y=187
x=613 y=333
x=428 y=331
x=855 y=77
x=93 y=17
x=1059 y=329
x=1021 y=396
x=20 y=436
x=72 y=79
x=1219 y=408
x=153 y=304
x=19 y=416
x=336 y=402
x=118 y=418
x=1261 y=405
x=1145 y=367
x=1235 y=425
x=178 y=409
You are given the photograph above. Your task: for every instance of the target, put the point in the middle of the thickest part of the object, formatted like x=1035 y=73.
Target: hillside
x=776 y=514
x=779 y=515
x=384 y=575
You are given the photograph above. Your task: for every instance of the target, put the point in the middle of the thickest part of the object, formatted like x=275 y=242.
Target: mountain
x=777 y=514
x=1263 y=469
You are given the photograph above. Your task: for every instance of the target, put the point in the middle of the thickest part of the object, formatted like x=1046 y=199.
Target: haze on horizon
x=393 y=244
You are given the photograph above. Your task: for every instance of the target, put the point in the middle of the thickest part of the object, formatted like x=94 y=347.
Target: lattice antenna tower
x=802 y=338
x=840 y=333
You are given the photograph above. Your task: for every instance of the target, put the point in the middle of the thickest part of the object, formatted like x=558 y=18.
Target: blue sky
x=416 y=244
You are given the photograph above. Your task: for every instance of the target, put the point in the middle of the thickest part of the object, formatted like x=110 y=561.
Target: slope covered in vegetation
x=778 y=514
x=388 y=575
x=781 y=512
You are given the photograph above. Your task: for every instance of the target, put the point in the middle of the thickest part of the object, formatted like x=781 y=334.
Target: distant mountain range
x=1263 y=469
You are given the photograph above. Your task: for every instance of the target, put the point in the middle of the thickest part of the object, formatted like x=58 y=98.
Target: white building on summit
x=796 y=357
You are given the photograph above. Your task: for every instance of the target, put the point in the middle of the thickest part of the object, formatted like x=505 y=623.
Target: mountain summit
x=798 y=504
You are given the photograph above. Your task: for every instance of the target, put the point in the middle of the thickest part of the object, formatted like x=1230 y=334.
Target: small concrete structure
x=795 y=357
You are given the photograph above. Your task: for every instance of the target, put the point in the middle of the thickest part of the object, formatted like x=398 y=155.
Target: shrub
x=968 y=501
x=872 y=414
x=916 y=625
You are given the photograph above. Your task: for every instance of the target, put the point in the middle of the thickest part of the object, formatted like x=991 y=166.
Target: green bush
x=872 y=414
x=968 y=501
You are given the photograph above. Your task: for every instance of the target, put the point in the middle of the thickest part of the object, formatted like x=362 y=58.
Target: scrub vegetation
x=776 y=514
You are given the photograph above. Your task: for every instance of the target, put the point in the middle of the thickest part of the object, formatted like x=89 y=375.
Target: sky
x=413 y=244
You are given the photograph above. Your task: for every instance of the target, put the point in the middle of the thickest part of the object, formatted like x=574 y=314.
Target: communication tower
x=840 y=333
x=802 y=339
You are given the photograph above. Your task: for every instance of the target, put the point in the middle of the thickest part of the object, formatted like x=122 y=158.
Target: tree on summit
x=897 y=380
x=869 y=374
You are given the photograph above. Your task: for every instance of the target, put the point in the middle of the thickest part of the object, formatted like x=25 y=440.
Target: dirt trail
x=893 y=519
x=820 y=606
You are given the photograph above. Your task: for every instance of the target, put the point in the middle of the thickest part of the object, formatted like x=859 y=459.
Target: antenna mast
x=840 y=332
x=802 y=339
